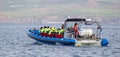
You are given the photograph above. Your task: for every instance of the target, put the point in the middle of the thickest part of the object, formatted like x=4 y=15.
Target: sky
x=16 y=10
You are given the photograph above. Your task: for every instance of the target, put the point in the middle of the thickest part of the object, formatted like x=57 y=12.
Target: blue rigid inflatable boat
x=86 y=36
x=66 y=41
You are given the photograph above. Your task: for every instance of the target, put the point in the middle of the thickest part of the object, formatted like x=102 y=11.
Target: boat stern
x=101 y=42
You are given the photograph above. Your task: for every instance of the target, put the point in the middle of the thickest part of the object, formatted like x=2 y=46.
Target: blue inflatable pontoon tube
x=104 y=42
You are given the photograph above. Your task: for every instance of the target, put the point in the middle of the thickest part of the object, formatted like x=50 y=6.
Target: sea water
x=14 y=42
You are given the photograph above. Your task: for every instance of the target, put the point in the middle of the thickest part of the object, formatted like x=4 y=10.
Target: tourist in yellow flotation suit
x=60 y=31
x=46 y=29
x=41 y=29
x=51 y=30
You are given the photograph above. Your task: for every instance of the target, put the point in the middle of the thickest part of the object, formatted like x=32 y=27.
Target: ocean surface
x=14 y=42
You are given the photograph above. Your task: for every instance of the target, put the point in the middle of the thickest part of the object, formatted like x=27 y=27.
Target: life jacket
x=40 y=30
x=45 y=30
x=60 y=31
x=51 y=30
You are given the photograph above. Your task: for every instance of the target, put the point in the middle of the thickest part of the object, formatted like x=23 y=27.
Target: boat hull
x=67 y=41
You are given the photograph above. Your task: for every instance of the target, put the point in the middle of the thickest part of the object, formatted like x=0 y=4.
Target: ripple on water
x=93 y=52
x=88 y=56
x=76 y=56
x=117 y=48
x=115 y=52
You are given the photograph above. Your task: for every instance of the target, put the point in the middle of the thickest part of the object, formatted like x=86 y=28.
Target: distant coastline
x=42 y=19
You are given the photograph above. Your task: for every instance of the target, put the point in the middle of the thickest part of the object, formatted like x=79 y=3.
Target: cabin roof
x=75 y=20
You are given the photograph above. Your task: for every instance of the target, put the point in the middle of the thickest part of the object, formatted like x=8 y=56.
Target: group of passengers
x=50 y=32
x=53 y=32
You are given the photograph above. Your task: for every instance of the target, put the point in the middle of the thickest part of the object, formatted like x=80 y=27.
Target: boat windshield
x=71 y=24
x=69 y=27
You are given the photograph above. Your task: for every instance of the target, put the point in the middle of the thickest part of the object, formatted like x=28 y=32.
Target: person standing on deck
x=76 y=30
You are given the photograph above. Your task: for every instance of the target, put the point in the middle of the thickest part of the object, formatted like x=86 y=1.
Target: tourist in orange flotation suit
x=76 y=30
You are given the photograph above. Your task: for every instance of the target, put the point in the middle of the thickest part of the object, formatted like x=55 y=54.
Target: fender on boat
x=104 y=42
